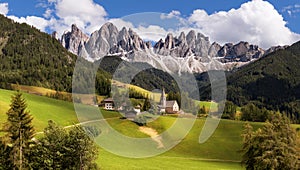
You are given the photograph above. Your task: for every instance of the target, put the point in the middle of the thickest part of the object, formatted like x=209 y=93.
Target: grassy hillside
x=219 y=152
x=44 y=109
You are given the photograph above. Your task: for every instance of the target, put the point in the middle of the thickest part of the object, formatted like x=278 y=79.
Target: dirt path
x=82 y=123
x=153 y=134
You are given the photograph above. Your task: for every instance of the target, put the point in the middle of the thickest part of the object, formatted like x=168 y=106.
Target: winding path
x=153 y=134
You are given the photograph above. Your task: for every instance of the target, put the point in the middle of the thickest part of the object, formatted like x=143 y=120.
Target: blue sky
x=266 y=23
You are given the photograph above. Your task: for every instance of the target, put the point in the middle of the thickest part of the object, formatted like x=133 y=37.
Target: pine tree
x=82 y=151
x=50 y=150
x=61 y=148
x=274 y=146
x=19 y=132
x=146 y=105
x=202 y=111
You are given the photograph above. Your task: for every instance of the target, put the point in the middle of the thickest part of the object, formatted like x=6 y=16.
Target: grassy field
x=219 y=152
x=44 y=109
x=85 y=98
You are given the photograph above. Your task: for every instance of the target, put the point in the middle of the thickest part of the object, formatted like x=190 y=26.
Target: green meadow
x=221 y=151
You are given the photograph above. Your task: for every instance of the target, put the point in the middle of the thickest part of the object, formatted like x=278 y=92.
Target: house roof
x=170 y=103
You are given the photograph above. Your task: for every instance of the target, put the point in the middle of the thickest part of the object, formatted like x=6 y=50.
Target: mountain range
x=31 y=57
x=191 y=52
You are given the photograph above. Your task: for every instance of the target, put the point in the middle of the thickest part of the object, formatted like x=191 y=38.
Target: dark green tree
x=64 y=149
x=50 y=150
x=4 y=154
x=146 y=105
x=274 y=146
x=229 y=110
x=202 y=111
x=82 y=151
x=174 y=96
x=19 y=132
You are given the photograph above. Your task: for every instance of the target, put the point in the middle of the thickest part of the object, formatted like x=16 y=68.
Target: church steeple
x=163 y=99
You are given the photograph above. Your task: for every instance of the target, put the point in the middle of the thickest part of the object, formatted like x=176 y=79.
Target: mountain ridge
x=191 y=52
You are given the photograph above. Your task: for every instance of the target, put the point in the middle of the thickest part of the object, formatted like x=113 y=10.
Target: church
x=165 y=106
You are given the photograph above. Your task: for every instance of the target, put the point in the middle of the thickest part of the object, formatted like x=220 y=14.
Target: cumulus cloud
x=48 y=13
x=3 y=8
x=38 y=22
x=149 y=32
x=172 y=14
x=256 y=21
x=86 y=14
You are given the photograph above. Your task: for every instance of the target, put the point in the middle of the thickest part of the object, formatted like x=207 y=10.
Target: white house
x=172 y=106
x=108 y=104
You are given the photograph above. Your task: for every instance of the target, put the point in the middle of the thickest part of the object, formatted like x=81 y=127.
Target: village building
x=165 y=106
x=108 y=104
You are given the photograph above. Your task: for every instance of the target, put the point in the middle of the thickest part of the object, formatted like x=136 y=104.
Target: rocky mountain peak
x=72 y=40
x=108 y=40
x=170 y=42
x=183 y=46
x=54 y=35
x=184 y=53
x=181 y=39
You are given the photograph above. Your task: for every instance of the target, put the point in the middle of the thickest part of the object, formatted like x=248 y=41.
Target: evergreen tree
x=82 y=151
x=146 y=105
x=229 y=110
x=4 y=154
x=49 y=152
x=202 y=111
x=64 y=149
x=274 y=146
x=19 y=132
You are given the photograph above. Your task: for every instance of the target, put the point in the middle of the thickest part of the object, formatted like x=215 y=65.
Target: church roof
x=170 y=103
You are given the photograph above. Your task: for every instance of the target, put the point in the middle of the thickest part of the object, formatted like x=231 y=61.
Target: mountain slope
x=272 y=82
x=30 y=57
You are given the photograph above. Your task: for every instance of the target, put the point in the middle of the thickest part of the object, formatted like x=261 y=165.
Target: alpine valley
x=49 y=113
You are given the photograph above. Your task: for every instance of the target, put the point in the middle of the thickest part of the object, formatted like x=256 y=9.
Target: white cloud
x=150 y=32
x=257 y=22
x=4 y=8
x=172 y=14
x=38 y=22
x=86 y=14
x=48 y=13
x=120 y=23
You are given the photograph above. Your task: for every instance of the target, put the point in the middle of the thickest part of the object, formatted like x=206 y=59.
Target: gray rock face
x=214 y=49
x=109 y=41
x=186 y=53
x=54 y=35
x=72 y=40
x=183 y=46
x=241 y=52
